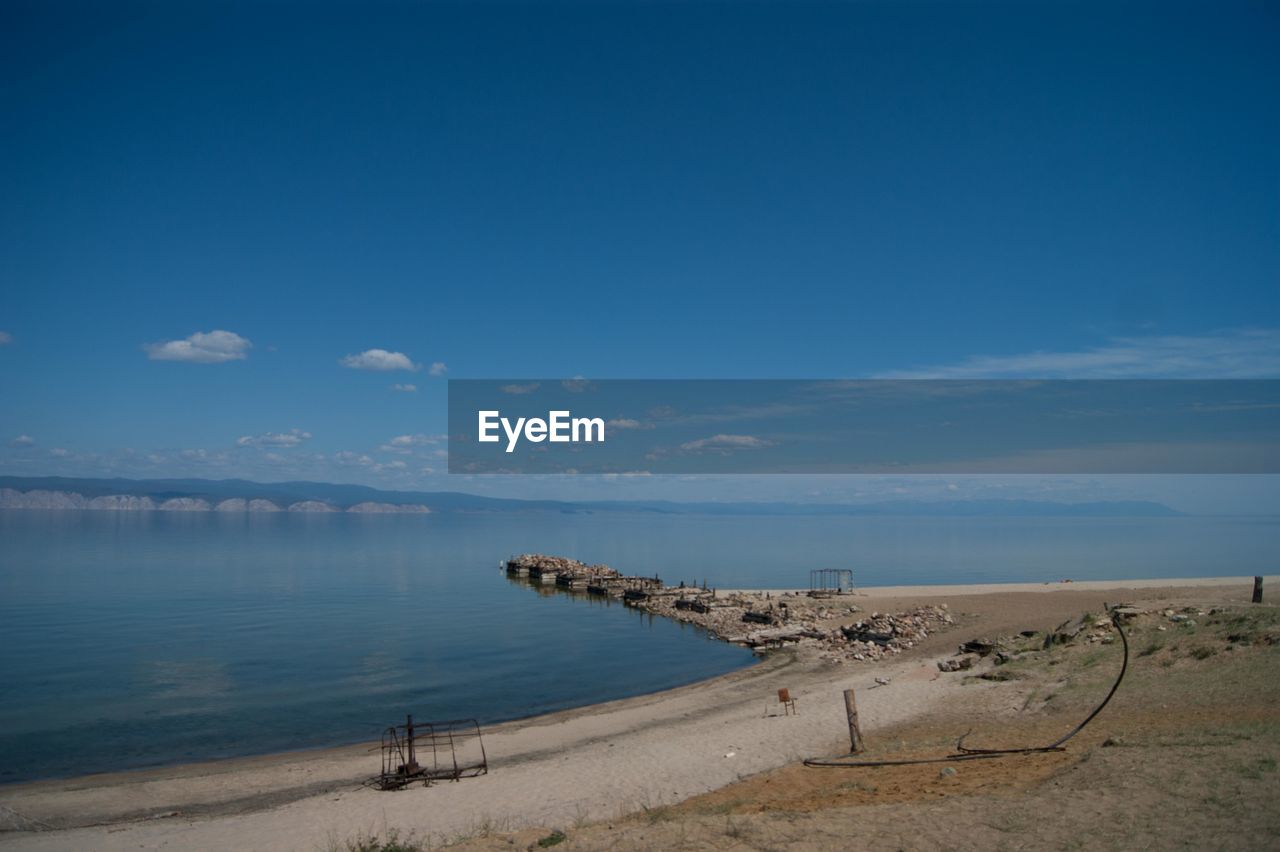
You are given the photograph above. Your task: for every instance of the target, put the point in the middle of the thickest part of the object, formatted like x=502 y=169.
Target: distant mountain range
x=240 y=495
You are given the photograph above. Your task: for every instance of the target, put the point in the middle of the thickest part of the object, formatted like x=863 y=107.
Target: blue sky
x=605 y=190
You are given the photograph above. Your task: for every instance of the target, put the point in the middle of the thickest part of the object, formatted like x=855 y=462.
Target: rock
x=956 y=664
x=312 y=506
x=1111 y=742
x=122 y=503
x=947 y=772
x=981 y=647
x=370 y=507
x=39 y=499
x=185 y=504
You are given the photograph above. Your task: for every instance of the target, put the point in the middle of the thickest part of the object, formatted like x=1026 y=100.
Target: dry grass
x=1185 y=756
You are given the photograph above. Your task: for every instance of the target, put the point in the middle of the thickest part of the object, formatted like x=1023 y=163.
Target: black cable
x=963 y=753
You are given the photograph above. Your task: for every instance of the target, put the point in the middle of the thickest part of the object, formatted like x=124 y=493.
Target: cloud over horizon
x=381 y=360
x=212 y=347
x=292 y=438
x=1244 y=353
x=725 y=443
x=408 y=443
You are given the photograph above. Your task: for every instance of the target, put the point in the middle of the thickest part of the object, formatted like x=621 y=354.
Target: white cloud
x=404 y=388
x=577 y=384
x=22 y=441
x=5 y=338
x=408 y=443
x=203 y=456
x=213 y=347
x=292 y=438
x=396 y=466
x=1225 y=354
x=520 y=389
x=725 y=443
x=346 y=457
x=626 y=423
x=437 y=368
x=380 y=359
x=60 y=453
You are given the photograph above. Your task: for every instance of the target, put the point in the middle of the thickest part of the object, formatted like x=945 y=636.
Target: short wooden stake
x=1257 y=590
x=855 y=733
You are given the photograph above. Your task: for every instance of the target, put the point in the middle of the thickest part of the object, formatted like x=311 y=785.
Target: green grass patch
x=555 y=838
x=390 y=841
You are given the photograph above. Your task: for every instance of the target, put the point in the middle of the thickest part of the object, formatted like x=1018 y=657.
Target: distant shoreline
x=74 y=492
x=936 y=590
x=61 y=501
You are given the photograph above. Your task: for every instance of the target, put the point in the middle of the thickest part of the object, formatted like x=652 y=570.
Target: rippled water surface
x=141 y=638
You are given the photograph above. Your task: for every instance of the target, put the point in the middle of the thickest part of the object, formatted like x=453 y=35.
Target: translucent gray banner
x=638 y=426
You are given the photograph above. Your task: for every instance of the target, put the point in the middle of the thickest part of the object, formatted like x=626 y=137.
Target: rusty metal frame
x=429 y=751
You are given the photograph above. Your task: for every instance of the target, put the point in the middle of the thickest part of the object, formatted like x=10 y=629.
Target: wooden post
x=1257 y=590
x=855 y=733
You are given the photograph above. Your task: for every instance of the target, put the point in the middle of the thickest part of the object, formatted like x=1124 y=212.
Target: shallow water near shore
x=134 y=639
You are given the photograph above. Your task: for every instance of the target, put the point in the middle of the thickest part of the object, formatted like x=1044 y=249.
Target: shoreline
x=558 y=767
x=942 y=590
x=366 y=747
x=369 y=748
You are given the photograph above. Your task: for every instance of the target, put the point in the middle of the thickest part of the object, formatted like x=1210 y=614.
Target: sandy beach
x=571 y=768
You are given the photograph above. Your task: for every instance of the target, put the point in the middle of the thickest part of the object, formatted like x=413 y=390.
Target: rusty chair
x=788 y=703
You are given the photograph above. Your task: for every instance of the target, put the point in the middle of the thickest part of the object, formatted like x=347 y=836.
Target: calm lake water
x=141 y=638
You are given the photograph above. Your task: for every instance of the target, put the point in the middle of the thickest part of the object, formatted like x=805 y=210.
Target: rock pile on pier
x=830 y=625
x=539 y=563
x=768 y=620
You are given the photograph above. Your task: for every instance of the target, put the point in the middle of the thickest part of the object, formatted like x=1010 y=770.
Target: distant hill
x=950 y=508
x=205 y=494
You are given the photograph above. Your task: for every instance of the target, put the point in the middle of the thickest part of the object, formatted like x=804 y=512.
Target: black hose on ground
x=962 y=753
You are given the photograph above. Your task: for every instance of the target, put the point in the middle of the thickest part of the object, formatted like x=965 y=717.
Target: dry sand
x=564 y=769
